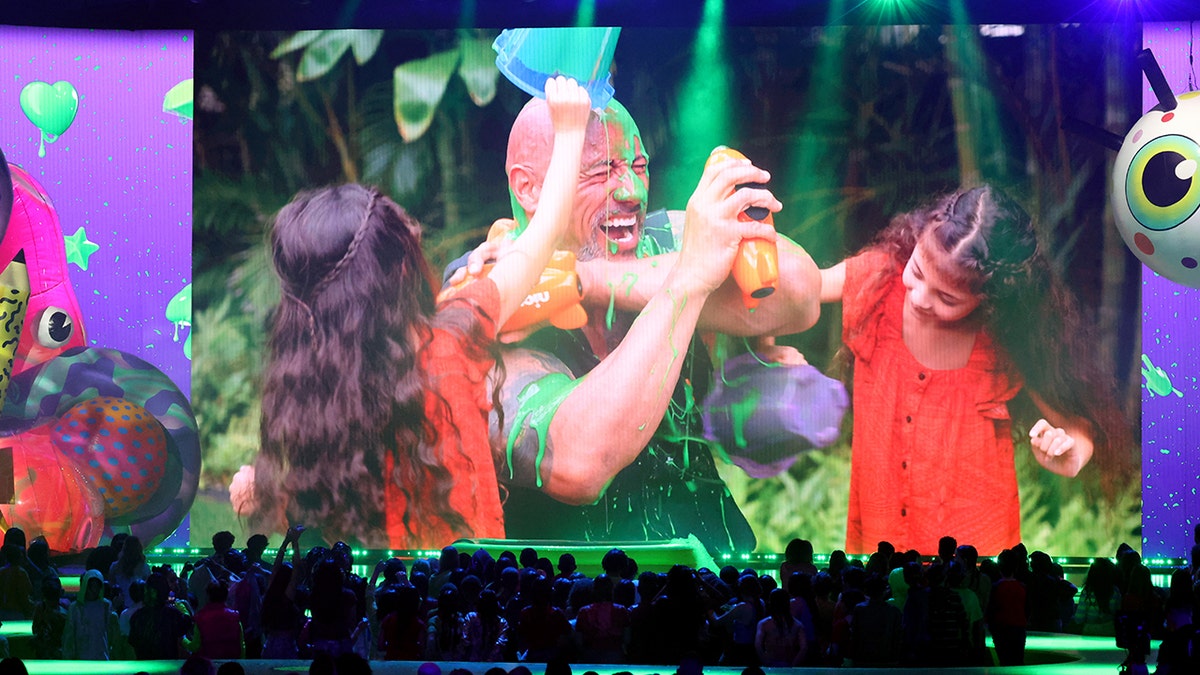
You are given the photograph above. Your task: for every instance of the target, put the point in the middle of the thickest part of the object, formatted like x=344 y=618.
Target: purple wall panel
x=122 y=172
x=1170 y=331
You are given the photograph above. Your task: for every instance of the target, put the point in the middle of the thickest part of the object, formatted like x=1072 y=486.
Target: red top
x=932 y=449
x=462 y=434
x=1006 y=606
x=220 y=632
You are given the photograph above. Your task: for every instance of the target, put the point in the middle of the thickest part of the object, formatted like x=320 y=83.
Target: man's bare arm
x=521 y=455
x=568 y=437
x=794 y=306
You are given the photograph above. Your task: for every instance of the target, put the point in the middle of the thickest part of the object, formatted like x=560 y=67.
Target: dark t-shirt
x=154 y=632
x=542 y=628
x=49 y=623
x=670 y=491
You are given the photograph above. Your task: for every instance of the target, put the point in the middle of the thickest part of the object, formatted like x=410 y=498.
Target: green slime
x=536 y=406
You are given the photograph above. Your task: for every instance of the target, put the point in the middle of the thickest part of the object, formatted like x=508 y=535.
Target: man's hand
x=712 y=231
x=783 y=355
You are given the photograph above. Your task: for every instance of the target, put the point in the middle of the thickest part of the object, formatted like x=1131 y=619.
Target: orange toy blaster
x=756 y=268
x=556 y=298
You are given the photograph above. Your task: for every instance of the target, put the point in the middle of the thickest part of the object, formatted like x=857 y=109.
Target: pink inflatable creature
x=53 y=323
x=98 y=440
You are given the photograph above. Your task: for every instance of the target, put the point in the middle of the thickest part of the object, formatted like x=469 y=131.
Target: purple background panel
x=1170 y=332
x=122 y=171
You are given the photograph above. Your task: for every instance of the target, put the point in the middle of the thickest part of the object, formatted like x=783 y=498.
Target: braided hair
x=342 y=388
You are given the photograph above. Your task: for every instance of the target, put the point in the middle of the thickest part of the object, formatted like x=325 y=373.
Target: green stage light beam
x=705 y=117
x=466 y=16
x=895 y=12
x=979 y=136
x=814 y=179
x=585 y=16
x=348 y=12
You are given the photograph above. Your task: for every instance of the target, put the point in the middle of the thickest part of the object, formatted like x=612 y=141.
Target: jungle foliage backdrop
x=855 y=123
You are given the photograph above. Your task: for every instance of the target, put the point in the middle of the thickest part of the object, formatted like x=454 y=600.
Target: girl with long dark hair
x=130 y=565
x=1099 y=600
x=375 y=401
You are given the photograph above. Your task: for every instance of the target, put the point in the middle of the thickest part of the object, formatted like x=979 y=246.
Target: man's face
x=610 y=202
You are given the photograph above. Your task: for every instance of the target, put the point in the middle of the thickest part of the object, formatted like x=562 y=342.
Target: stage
x=1045 y=653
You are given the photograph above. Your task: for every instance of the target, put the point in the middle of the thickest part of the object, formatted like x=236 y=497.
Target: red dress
x=462 y=431
x=932 y=449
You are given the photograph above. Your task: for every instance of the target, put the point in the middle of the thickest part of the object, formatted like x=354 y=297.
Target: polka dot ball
x=118 y=446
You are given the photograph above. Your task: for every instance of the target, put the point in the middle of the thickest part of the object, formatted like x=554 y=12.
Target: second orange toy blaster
x=556 y=298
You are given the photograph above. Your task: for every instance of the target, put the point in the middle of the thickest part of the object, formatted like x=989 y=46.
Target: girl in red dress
x=947 y=317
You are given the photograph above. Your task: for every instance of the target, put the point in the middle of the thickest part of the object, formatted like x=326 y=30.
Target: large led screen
x=856 y=125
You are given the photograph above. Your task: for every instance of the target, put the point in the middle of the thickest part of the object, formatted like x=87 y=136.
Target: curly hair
x=993 y=250
x=343 y=389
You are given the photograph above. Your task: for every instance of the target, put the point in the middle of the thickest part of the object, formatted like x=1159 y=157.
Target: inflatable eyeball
x=52 y=497
x=54 y=327
x=119 y=447
x=1156 y=190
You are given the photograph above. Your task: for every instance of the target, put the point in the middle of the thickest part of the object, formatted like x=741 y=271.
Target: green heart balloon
x=51 y=108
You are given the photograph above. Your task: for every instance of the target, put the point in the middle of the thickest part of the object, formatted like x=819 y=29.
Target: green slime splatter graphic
x=536 y=406
x=1157 y=380
x=79 y=248
x=179 y=100
x=51 y=108
x=179 y=312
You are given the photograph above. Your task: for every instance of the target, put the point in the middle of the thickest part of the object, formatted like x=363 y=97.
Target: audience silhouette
x=896 y=609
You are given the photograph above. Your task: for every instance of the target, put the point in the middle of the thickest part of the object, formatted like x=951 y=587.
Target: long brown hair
x=1032 y=316
x=343 y=389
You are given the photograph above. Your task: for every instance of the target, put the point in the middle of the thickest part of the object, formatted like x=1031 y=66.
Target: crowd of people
x=897 y=608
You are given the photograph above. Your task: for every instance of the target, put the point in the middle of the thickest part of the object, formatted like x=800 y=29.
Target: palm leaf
x=478 y=68
x=298 y=41
x=323 y=54
x=364 y=44
x=419 y=86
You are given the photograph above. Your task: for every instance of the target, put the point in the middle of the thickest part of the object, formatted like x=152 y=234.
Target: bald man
x=602 y=435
